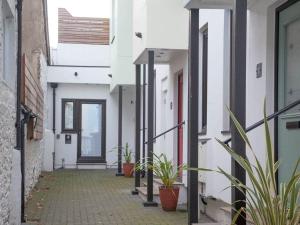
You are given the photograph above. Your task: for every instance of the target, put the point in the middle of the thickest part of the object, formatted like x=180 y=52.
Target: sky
x=83 y=8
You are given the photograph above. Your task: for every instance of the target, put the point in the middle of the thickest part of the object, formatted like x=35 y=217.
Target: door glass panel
x=288 y=89
x=69 y=115
x=292 y=78
x=91 y=133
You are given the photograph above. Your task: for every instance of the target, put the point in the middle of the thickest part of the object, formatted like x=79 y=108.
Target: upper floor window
x=203 y=79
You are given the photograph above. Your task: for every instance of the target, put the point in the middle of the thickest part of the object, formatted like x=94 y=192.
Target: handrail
x=272 y=116
x=167 y=131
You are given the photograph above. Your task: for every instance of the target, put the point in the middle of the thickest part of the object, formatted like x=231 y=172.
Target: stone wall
x=7 y=143
x=7 y=124
x=34 y=150
x=35 y=48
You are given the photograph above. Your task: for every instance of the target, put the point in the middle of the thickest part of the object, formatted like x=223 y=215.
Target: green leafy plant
x=127 y=154
x=266 y=202
x=162 y=168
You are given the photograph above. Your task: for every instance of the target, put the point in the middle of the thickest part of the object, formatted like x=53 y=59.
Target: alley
x=77 y=197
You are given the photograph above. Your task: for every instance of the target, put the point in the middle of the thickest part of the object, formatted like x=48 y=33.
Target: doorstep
x=91 y=166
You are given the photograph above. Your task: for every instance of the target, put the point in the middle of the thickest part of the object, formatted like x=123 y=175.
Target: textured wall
x=35 y=49
x=7 y=130
x=34 y=150
x=7 y=143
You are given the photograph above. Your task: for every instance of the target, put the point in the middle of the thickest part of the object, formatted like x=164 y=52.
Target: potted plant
x=266 y=202
x=128 y=167
x=168 y=173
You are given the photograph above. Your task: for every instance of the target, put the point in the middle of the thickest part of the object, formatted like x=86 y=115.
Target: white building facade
x=83 y=102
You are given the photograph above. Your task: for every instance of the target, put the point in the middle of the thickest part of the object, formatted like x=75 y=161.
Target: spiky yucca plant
x=266 y=202
x=162 y=168
x=127 y=154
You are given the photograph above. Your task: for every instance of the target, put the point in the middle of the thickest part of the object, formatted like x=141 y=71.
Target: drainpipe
x=19 y=142
x=19 y=71
x=54 y=86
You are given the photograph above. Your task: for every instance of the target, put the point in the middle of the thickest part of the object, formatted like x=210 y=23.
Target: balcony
x=161 y=26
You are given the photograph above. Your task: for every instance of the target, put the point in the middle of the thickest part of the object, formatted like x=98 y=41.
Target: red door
x=180 y=120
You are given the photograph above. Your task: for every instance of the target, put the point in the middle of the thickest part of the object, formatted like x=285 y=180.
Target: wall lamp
x=139 y=34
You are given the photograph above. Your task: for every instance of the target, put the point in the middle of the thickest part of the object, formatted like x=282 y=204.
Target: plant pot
x=169 y=198
x=128 y=169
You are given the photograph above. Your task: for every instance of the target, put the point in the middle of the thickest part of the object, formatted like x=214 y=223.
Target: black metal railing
x=167 y=131
x=274 y=115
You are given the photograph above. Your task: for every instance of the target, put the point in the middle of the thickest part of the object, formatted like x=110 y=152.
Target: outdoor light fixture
x=139 y=34
x=75 y=74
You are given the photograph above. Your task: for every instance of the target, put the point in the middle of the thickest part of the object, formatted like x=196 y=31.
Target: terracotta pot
x=169 y=198
x=128 y=169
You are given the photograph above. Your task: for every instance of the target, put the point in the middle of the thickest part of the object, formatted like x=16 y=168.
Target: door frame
x=278 y=10
x=101 y=159
x=179 y=154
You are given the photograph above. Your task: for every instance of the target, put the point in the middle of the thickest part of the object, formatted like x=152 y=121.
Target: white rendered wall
x=163 y=24
x=48 y=151
x=215 y=156
x=260 y=49
x=167 y=115
x=85 y=75
x=92 y=91
x=81 y=55
x=121 y=47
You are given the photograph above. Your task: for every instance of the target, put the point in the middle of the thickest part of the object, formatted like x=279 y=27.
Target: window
x=203 y=93
x=154 y=119
x=9 y=46
x=68 y=115
x=227 y=70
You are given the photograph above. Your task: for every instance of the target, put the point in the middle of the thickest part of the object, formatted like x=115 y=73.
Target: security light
x=139 y=34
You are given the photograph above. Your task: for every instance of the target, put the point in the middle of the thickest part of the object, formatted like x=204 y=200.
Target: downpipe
x=20 y=123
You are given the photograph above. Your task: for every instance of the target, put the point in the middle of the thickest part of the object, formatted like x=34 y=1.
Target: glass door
x=91 y=133
x=288 y=88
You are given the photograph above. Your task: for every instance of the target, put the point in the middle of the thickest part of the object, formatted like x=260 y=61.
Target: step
x=227 y=210
x=207 y=224
x=91 y=166
x=215 y=210
x=143 y=194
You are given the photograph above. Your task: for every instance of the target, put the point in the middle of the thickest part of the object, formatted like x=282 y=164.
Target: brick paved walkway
x=72 y=197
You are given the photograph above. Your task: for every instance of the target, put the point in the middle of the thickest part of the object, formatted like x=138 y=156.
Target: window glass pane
x=69 y=115
x=91 y=124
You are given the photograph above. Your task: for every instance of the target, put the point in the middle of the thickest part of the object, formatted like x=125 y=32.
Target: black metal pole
x=119 y=173
x=54 y=86
x=193 y=95
x=137 y=179
x=19 y=123
x=144 y=119
x=238 y=101
x=150 y=202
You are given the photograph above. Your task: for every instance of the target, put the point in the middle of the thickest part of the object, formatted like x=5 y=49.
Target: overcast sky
x=84 y=8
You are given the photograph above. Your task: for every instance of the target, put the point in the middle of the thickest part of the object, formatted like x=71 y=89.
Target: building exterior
x=268 y=74
x=154 y=66
x=8 y=155
x=84 y=122
x=21 y=155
